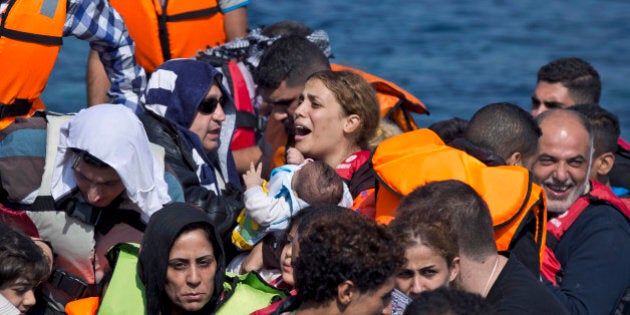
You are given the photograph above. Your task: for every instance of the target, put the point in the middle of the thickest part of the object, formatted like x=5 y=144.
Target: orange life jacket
x=557 y=226
x=176 y=31
x=396 y=104
x=30 y=39
x=412 y=159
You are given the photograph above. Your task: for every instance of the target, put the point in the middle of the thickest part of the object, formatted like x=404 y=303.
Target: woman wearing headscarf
x=181 y=262
x=106 y=183
x=190 y=113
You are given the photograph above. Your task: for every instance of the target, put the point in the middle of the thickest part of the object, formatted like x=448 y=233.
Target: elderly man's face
x=563 y=161
x=210 y=116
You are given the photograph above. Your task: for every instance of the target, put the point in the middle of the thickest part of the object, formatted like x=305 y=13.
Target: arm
x=97 y=22
x=264 y=209
x=235 y=19
x=97 y=82
x=245 y=156
x=595 y=274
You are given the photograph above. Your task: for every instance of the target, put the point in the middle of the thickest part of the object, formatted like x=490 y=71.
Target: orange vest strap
x=85 y=306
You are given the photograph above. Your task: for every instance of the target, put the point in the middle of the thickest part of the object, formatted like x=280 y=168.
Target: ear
x=352 y=123
x=454 y=269
x=514 y=159
x=603 y=164
x=345 y=292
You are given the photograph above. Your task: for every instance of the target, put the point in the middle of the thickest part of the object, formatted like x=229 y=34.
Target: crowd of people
x=237 y=171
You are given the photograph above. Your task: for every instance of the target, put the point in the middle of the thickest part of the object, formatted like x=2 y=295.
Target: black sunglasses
x=209 y=105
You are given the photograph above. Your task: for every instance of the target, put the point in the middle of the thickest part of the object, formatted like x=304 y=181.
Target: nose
x=538 y=110
x=561 y=172
x=279 y=115
x=193 y=277
x=388 y=309
x=94 y=194
x=218 y=113
x=417 y=286
x=29 y=299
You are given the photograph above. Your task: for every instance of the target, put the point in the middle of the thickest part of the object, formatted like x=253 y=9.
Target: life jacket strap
x=19 y=107
x=32 y=38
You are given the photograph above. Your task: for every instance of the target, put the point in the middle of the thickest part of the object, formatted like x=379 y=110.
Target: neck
x=341 y=153
x=479 y=276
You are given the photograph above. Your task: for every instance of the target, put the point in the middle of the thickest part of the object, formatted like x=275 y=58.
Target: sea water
x=454 y=55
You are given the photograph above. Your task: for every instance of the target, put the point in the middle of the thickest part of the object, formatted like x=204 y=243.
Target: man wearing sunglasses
x=189 y=113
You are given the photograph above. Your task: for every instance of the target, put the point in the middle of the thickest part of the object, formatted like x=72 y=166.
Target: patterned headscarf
x=174 y=92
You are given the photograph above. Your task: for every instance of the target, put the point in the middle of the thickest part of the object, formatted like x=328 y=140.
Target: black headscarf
x=162 y=230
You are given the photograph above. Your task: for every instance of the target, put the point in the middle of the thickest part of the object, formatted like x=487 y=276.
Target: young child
x=290 y=189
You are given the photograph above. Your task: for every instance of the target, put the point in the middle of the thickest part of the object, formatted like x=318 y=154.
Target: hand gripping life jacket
x=412 y=159
x=176 y=30
x=557 y=226
x=30 y=39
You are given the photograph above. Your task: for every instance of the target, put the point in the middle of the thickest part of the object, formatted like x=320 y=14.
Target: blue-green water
x=454 y=55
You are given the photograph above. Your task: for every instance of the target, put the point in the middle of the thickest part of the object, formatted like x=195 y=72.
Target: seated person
x=432 y=258
x=24 y=266
x=343 y=263
x=507 y=285
x=290 y=189
x=189 y=113
x=181 y=262
x=106 y=183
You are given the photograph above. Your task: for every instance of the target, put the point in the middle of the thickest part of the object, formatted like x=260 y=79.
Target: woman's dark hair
x=20 y=257
x=341 y=245
x=164 y=227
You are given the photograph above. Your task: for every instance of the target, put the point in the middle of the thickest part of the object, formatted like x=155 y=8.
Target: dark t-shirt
x=517 y=291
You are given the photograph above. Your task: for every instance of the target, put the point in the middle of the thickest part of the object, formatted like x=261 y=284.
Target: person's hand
x=294 y=156
x=253 y=261
x=252 y=177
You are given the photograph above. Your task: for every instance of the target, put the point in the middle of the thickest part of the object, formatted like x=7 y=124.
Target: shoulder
x=601 y=216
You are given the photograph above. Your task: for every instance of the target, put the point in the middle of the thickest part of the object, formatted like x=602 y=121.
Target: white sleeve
x=264 y=209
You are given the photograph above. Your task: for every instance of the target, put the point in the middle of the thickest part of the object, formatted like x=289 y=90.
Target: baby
x=290 y=189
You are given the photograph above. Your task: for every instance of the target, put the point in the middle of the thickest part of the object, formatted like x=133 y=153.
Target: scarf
x=115 y=135
x=162 y=231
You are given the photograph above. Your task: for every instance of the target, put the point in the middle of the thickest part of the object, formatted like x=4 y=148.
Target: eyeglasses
x=209 y=105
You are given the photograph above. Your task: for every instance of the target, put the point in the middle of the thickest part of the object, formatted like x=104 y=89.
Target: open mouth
x=301 y=130
x=558 y=190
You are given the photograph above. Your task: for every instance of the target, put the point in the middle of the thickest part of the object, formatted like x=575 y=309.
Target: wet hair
x=504 y=128
x=318 y=183
x=356 y=96
x=340 y=245
x=448 y=301
x=460 y=207
x=290 y=59
x=287 y=27
x=20 y=257
x=604 y=125
x=409 y=230
x=449 y=129
x=577 y=75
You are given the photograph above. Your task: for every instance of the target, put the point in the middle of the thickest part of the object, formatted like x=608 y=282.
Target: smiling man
x=588 y=225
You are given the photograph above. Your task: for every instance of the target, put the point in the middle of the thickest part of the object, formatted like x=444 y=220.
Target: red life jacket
x=246 y=121
x=557 y=226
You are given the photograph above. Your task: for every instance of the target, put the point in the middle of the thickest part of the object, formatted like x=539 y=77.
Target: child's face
x=286 y=257
x=19 y=293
